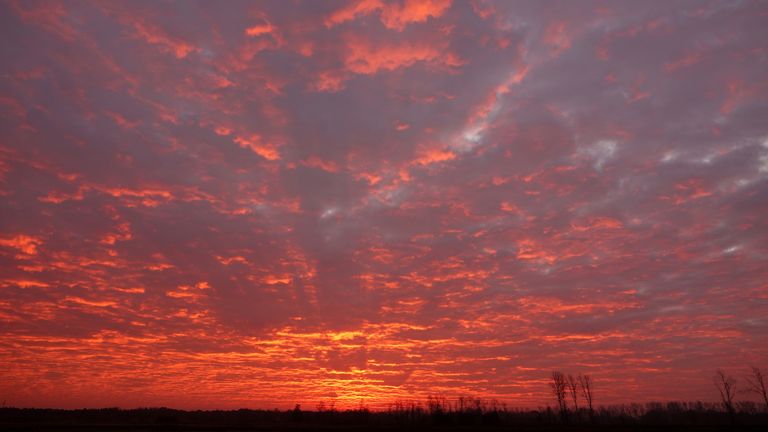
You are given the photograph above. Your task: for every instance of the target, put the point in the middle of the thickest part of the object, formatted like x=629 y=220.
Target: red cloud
x=24 y=243
x=149 y=32
x=353 y=10
x=257 y=145
x=394 y=15
x=364 y=57
x=397 y=16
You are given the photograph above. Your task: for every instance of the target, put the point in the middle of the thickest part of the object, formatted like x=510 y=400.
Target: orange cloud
x=222 y=130
x=277 y=279
x=139 y=193
x=24 y=283
x=555 y=306
x=688 y=190
x=23 y=243
x=433 y=156
x=328 y=82
x=371 y=178
x=156 y=36
x=121 y=121
x=254 y=142
x=259 y=29
x=353 y=10
x=232 y=259
x=316 y=162
x=396 y=16
x=192 y=292
x=86 y=302
x=365 y=58
x=393 y=15
x=482 y=8
x=510 y=207
x=598 y=223
x=531 y=250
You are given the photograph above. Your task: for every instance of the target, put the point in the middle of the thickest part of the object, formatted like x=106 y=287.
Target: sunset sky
x=258 y=204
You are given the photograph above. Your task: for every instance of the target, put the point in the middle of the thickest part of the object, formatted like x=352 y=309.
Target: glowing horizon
x=271 y=203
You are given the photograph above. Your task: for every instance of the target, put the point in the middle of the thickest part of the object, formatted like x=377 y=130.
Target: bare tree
x=585 y=382
x=757 y=384
x=558 y=385
x=573 y=390
x=726 y=385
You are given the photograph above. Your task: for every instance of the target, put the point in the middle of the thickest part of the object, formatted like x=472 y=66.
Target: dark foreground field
x=636 y=417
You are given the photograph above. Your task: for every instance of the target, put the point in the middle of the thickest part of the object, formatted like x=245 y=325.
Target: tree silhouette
x=559 y=385
x=726 y=385
x=573 y=390
x=296 y=413
x=757 y=384
x=585 y=383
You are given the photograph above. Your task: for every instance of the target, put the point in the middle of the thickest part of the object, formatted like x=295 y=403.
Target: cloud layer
x=278 y=203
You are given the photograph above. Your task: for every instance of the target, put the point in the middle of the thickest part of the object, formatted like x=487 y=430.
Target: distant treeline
x=435 y=412
x=574 y=396
x=574 y=410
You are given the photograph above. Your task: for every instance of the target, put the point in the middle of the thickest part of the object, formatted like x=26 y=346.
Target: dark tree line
x=574 y=395
x=568 y=390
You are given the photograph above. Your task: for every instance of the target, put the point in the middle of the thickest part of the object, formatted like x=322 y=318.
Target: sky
x=258 y=204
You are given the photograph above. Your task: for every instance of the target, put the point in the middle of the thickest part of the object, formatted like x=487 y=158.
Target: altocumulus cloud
x=270 y=203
